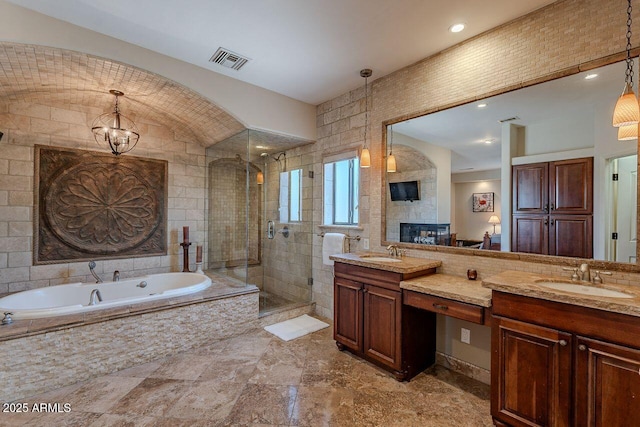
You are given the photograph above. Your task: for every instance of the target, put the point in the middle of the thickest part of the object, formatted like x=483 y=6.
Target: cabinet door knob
x=440 y=306
x=582 y=347
x=563 y=343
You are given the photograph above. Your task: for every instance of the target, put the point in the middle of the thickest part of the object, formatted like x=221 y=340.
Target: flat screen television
x=404 y=191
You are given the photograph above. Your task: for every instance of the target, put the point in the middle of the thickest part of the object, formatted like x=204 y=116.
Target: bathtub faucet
x=116 y=276
x=92 y=265
x=95 y=297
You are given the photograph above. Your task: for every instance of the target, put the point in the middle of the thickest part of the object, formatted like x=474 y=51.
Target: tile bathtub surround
x=258 y=379
x=61 y=357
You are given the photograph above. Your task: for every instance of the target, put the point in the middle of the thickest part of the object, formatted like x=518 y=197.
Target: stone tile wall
x=27 y=124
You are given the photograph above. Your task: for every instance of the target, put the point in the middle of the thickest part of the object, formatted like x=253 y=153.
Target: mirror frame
x=515 y=256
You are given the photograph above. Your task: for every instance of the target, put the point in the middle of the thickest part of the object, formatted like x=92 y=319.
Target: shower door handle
x=271 y=229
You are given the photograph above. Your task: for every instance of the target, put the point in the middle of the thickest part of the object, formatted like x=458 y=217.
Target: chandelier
x=115 y=130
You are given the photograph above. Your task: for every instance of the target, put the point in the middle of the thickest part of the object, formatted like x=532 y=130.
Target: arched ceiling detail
x=53 y=76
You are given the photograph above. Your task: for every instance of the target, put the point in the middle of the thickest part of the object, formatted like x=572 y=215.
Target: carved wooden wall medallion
x=93 y=205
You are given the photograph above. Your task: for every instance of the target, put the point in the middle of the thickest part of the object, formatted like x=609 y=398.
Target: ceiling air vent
x=228 y=59
x=510 y=119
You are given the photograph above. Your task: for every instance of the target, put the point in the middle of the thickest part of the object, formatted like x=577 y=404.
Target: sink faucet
x=585 y=273
x=116 y=276
x=95 y=297
x=92 y=266
x=392 y=250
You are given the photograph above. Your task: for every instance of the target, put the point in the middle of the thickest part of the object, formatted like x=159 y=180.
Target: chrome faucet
x=585 y=273
x=116 y=276
x=92 y=265
x=95 y=297
x=393 y=250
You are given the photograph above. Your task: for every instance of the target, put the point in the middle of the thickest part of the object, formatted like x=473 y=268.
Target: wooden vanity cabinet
x=556 y=364
x=371 y=322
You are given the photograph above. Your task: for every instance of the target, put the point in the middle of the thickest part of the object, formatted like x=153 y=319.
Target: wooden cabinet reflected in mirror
x=557 y=137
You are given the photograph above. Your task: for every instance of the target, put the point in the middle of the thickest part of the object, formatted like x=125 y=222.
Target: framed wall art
x=92 y=205
x=483 y=202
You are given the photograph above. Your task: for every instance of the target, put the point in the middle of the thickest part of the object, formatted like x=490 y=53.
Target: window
x=341 y=185
x=291 y=196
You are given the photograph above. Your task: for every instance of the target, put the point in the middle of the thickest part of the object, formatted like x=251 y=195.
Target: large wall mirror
x=453 y=185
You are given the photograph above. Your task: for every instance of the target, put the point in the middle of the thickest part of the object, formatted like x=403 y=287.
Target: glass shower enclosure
x=259 y=214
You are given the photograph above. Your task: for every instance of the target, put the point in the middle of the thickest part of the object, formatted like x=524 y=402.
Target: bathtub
x=75 y=297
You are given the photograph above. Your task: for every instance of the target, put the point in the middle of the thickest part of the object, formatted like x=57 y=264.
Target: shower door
x=286 y=220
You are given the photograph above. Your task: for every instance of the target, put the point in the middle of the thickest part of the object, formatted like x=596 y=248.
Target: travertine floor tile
x=182 y=367
x=264 y=404
x=323 y=406
x=101 y=394
x=211 y=400
x=152 y=397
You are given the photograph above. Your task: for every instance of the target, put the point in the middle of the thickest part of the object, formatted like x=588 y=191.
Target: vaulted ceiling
x=53 y=76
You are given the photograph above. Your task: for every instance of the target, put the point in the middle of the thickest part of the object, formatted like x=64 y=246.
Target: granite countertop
x=405 y=264
x=451 y=287
x=524 y=283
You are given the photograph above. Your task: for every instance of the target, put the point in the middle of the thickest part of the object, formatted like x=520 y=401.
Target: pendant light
x=627 y=112
x=260 y=178
x=114 y=130
x=391 y=160
x=365 y=156
x=627 y=133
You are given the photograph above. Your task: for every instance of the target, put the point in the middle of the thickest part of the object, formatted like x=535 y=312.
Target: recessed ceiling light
x=261 y=147
x=456 y=28
x=482 y=105
x=590 y=76
x=488 y=141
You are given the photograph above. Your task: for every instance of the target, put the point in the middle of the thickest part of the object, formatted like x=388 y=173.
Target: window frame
x=353 y=190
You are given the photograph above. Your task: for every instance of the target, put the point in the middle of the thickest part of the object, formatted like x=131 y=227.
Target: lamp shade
x=391 y=163
x=494 y=220
x=365 y=158
x=627 y=111
x=627 y=133
x=260 y=178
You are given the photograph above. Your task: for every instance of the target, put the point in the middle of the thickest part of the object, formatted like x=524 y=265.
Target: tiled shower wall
x=229 y=213
x=28 y=124
x=287 y=261
x=564 y=34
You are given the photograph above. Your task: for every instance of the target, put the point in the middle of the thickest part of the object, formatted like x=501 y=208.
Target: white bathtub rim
x=25 y=314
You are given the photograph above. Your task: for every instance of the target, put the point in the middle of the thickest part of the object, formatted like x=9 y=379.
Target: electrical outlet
x=465 y=335
x=365 y=243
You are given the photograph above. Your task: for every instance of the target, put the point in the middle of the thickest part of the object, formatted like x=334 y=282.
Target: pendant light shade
x=391 y=163
x=260 y=178
x=626 y=112
x=391 y=159
x=365 y=156
x=627 y=133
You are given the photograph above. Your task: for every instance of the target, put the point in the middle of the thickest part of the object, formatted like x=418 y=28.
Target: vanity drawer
x=448 y=307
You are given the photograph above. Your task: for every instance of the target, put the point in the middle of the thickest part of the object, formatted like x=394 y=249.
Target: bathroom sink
x=578 y=288
x=380 y=258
